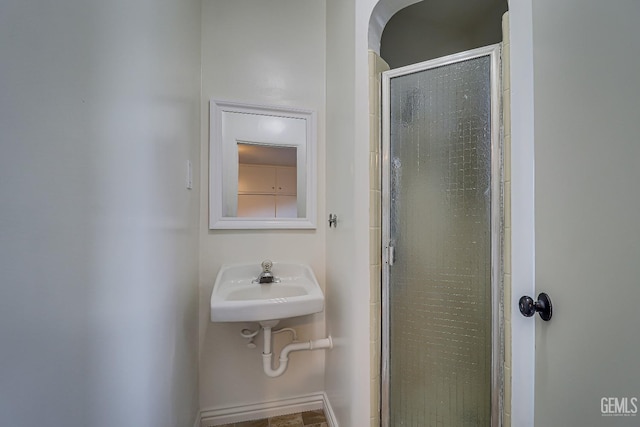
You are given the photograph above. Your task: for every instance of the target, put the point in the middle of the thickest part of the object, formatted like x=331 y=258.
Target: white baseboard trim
x=328 y=411
x=273 y=408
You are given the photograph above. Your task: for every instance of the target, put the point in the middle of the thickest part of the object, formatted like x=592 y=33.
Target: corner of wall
x=376 y=66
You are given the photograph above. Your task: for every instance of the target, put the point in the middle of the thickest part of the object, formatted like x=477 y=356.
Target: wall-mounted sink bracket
x=250 y=335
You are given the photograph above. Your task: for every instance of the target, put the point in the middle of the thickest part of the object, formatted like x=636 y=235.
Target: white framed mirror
x=262 y=167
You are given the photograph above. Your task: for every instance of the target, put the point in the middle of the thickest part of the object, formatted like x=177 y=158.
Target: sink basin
x=236 y=297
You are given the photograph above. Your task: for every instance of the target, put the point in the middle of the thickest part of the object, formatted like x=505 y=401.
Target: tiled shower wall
x=376 y=66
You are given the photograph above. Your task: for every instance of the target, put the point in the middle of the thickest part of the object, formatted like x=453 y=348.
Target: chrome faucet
x=266 y=276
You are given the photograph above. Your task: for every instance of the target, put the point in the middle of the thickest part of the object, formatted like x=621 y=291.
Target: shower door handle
x=529 y=307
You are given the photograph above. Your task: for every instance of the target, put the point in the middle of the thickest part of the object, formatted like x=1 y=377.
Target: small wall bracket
x=249 y=335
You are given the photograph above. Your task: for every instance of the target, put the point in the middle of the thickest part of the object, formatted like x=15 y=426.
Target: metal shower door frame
x=497 y=222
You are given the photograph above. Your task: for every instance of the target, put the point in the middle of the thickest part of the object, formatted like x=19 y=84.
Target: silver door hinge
x=391 y=254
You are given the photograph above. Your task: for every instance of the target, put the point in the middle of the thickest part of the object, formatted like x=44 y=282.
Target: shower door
x=442 y=242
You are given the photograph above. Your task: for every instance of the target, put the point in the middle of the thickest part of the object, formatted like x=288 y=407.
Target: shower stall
x=442 y=339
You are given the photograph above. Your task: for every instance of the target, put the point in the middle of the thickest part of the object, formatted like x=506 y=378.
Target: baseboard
x=328 y=411
x=236 y=414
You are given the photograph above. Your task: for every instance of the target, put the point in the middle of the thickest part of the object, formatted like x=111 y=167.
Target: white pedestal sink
x=237 y=297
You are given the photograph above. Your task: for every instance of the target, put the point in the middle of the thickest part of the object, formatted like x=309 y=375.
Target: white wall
x=262 y=53
x=341 y=278
x=98 y=235
x=348 y=365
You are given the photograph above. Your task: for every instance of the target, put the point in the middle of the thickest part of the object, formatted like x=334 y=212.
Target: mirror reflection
x=267 y=181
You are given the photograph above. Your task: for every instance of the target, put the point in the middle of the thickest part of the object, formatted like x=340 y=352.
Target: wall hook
x=333 y=220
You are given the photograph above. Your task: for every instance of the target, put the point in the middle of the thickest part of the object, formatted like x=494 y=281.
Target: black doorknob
x=529 y=307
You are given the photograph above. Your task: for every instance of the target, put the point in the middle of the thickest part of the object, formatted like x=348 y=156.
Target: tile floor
x=304 y=419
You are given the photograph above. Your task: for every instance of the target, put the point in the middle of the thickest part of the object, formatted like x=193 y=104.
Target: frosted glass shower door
x=441 y=209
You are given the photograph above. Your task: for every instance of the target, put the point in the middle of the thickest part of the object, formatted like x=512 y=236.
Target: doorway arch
x=381 y=14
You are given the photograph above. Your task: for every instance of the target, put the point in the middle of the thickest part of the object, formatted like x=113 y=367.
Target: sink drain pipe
x=267 y=355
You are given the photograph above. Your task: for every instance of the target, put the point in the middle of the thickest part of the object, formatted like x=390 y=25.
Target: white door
x=586 y=89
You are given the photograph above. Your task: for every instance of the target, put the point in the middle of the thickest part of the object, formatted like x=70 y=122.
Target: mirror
x=262 y=167
x=267 y=182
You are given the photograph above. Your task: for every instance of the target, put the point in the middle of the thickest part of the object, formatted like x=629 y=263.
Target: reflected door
x=441 y=281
